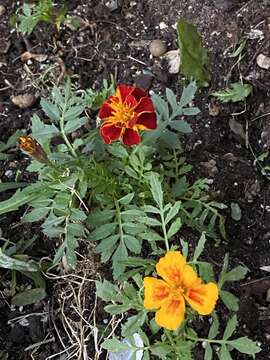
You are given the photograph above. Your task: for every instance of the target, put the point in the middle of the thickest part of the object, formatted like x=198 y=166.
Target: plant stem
x=164 y=230
x=70 y=147
x=119 y=220
x=205 y=340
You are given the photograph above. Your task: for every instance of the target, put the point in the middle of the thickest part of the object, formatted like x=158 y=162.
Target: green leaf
x=117 y=309
x=107 y=243
x=11 y=185
x=245 y=346
x=237 y=92
x=156 y=190
x=180 y=186
x=181 y=126
x=119 y=256
x=28 y=297
x=106 y=291
x=208 y=352
x=230 y=328
x=188 y=94
x=236 y=274
x=15 y=201
x=171 y=139
x=151 y=209
x=230 y=300
x=50 y=109
x=133 y=324
x=8 y=262
x=75 y=124
x=175 y=226
x=193 y=56
x=236 y=211
x=174 y=210
x=126 y=199
x=161 y=351
x=149 y=221
x=214 y=329
x=36 y=214
x=224 y=353
x=132 y=244
x=114 y=345
x=200 y=247
x=102 y=232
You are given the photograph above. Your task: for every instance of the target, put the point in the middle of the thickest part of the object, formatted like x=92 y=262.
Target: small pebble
x=2 y=10
x=158 y=48
x=263 y=61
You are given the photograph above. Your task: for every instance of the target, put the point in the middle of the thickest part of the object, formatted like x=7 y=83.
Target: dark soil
x=118 y=43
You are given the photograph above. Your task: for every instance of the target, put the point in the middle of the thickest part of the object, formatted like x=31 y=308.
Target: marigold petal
x=171 y=314
x=189 y=277
x=110 y=132
x=144 y=105
x=139 y=93
x=131 y=137
x=131 y=101
x=203 y=298
x=146 y=121
x=170 y=267
x=156 y=291
x=122 y=91
x=105 y=110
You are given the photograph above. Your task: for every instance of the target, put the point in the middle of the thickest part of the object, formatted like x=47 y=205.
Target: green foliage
x=237 y=92
x=29 y=297
x=94 y=99
x=43 y=11
x=193 y=56
x=9 y=144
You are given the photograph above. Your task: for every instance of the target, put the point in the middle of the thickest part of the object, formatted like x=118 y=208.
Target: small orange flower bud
x=32 y=147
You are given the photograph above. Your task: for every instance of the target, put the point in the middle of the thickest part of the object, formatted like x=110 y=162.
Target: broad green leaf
x=132 y=244
x=50 y=109
x=102 y=232
x=107 y=243
x=156 y=190
x=119 y=256
x=151 y=236
x=11 y=263
x=230 y=300
x=200 y=247
x=193 y=56
x=230 y=328
x=149 y=221
x=114 y=345
x=151 y=209
x=73 y=113
x=117 y=309
x=126 y=199
x=75 y=124
x=28 y=297
x=214 y=329
x=11 y=185
x=237 y=92
x=245 y=346
x=174 y=210
x=175 y=226
x=36 y=214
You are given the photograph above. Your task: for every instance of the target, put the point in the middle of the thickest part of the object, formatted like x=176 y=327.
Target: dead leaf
x=23 y=101
x=38 y=57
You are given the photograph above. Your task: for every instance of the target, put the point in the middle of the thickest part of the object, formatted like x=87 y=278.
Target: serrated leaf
x=114 y=345
x=224 y=353
x=193 y=56
x=214 y=329
x=200 y=247
x=36 y=214
x=181 y=126
x=50 y=109
x=230 y=328
x=245 y=346
x=75 y=124
x=133 y=324
x=236 y=274
x=107 y=243
x=125 y=200
x=156 y=190
x=188 y=94
x=174 y=210
x=237 y=92
x=102 y=232
x=132 y=244
x=230 y=300
x=175 y=226
x=29 y=297
x=208 y=352
x=106 y=291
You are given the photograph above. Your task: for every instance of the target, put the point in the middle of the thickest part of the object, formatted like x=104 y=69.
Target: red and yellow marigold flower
x=33 y=148
x=179 y=284
x=126 y=113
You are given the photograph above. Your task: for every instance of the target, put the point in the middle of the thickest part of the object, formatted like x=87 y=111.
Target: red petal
x=124 y=91
x=131 y=137
x=145 y=105
x=149 y=120
x=105 y=111
x=110 y=132
x=131 y=101
x=138 y=93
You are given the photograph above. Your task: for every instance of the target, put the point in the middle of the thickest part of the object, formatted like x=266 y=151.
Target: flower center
x=122 y=114
x=177 y=292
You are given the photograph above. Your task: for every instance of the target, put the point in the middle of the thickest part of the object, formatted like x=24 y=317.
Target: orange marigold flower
x=126 y=113
x=179 y=284
x=32 y=147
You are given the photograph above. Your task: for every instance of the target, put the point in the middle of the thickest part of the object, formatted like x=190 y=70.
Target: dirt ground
x=118 y=43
